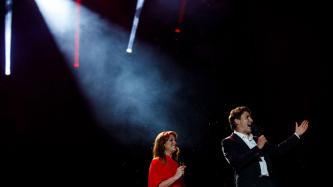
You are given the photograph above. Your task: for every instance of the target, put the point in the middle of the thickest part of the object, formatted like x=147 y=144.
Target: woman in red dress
x=164 y=170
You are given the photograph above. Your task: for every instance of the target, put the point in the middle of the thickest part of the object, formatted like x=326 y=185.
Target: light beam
x=8 y=35
x=139 y=6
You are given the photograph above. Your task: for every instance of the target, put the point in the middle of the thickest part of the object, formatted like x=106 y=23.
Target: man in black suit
x=249 y=155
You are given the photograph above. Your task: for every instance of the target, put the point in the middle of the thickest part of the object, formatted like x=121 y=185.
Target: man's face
x=243 y=124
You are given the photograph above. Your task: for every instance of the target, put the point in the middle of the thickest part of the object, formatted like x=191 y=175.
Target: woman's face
x=170 y=145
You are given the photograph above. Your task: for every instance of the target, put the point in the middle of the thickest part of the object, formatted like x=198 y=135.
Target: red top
x=160 y=171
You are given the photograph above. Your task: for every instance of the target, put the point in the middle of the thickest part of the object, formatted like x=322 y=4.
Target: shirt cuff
x=297 y=135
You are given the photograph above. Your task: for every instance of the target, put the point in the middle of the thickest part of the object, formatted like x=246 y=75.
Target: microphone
x=256 y=133
x=255 y=130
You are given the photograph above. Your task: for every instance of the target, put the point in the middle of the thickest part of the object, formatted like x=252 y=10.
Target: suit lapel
x=240 y=141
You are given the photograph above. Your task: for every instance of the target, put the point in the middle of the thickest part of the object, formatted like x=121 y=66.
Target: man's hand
x=261 y=141
x=300 y=129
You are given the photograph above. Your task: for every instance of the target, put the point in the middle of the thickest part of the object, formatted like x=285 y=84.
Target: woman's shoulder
x=157 y=161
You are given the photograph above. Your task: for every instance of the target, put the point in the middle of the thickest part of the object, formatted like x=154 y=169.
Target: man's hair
x=236 y=114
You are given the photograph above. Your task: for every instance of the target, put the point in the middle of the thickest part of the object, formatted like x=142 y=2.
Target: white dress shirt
x=251 y=143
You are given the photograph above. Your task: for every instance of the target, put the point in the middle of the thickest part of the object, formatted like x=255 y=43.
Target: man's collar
x=243 y=136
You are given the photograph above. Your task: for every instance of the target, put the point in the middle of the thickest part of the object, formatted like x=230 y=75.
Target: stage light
x=8 y=35
x=139 y=6
x=129 y=50
x=77 y=35
x=59 y=12
x=63 y=20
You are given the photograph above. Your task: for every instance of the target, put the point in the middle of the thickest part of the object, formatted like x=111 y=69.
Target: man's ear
x=237 y=121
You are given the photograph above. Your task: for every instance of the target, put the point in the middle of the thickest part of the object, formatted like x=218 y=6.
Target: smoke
x=134 y=96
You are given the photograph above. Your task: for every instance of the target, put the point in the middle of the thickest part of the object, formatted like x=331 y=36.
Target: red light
x=177 y=30
x=76 y=65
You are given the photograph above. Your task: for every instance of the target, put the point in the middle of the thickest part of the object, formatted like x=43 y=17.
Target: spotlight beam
x=77 y=36
x=8 y=35
x=139 y=6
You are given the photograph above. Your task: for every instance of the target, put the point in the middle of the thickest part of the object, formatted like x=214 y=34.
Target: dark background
x=269 y=55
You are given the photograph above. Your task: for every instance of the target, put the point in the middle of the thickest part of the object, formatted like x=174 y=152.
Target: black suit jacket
x=245 y=161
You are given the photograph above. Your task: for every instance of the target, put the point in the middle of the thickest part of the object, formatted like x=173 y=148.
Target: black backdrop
x=266 y=54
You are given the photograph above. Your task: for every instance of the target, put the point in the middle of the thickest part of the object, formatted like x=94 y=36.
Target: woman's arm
x=179 y=173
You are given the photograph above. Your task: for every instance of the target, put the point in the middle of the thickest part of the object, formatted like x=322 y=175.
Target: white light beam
x=139 y=6
x=8 y=35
